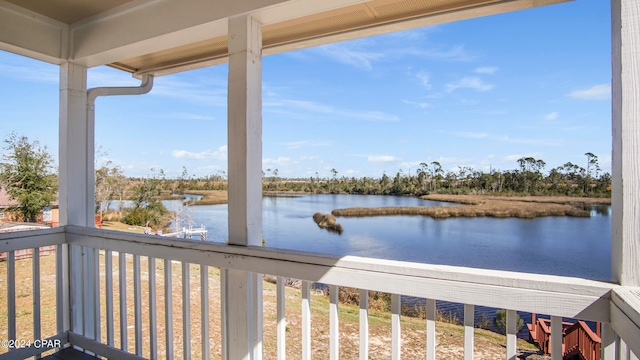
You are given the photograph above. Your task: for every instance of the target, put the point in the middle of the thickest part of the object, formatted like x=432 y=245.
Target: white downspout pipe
x=91 y=292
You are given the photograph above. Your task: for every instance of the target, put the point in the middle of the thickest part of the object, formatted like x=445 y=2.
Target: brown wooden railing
x=580 y=340
x=577 y=339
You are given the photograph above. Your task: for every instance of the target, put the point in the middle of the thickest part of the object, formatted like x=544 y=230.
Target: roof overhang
x=165 y=36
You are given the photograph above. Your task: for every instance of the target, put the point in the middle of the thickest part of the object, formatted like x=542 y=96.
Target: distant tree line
x=28 y=176
x=528 y=179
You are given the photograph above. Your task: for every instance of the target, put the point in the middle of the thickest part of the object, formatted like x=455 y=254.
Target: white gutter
x=92 y=94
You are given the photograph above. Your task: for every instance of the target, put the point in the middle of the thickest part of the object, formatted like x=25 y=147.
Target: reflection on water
x=568 y=246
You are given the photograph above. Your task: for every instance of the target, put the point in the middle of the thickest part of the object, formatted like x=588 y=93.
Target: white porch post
x=76 y=192
x=625 y=247
x=243 y=305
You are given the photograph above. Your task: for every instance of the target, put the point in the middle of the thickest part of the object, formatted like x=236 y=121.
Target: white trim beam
x=30 y=34
x=625 y=239
x=158 y=25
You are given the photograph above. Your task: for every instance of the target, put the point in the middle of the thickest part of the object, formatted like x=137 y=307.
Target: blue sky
x=479 y=93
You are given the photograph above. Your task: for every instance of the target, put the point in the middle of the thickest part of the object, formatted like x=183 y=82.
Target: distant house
x=6 y=202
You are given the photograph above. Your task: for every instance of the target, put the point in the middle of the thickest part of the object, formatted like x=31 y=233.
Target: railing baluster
x=108 y=276
x=431 y=329
x=37 y=334
x=62 y=288
x=364 y=324
x=624 y=350
x=282 y=322
x=186 y=312
x=306 y=320
x=395 y=327
x=168 y=310
x=223 y=314
x=556 y=338
x=96 y=295
x=334 y=326
x=511 y=334
x=122 y=284
x=11 y=295
x=468 y=331
x=204 y=311
x=137 y=301
x=153 y=320
x=608 y=341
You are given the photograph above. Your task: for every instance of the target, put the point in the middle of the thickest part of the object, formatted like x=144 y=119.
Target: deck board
x=69 y=354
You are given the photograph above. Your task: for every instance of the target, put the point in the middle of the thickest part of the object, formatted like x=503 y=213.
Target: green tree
x=500 y=322
x=26 y=173
x=147 y=209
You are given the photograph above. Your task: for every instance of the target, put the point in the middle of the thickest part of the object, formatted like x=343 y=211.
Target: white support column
x=243 y=308
x=625 y=247
x=76 y=189
x=468 y=331
x=76 y=149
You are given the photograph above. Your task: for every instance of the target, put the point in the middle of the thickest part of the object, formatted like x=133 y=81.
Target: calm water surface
x=568 y=246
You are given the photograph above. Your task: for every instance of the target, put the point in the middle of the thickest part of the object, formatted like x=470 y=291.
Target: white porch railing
x=127 y=327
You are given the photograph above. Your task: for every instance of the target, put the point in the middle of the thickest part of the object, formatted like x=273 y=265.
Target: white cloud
x=455 y=53
x=280 y=161
x=289 y=107
x=196 y=92
x=380 y=159
x=596 y=92
x=350 y=54
x=422 y=105
x=424 y=79
x=306 y=143
x=207 y=155
x=40 y=73
x=188 y=116
x=486 y=70
x=552 y=116
x=471 y=135
x=469 y=82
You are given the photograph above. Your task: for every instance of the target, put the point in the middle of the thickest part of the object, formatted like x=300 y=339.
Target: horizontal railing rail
x=138 y=305
x=545 y=294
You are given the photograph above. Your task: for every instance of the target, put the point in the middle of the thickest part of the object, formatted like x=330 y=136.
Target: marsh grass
x=484 y=206
x=327 y=221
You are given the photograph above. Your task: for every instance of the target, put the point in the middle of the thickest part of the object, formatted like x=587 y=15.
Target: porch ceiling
x=68 y=11
x=163 y=36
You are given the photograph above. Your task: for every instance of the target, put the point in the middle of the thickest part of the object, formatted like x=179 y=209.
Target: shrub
x=500 y=322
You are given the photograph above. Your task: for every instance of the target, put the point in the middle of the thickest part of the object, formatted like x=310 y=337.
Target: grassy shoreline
x=524 y=207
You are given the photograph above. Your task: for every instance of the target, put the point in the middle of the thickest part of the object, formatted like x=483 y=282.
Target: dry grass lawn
x=488 y=345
